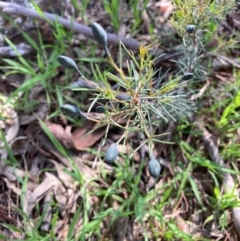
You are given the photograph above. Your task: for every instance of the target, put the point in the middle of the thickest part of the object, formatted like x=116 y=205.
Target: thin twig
x=201 y=92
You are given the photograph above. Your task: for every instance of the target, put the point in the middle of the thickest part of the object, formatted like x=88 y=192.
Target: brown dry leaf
x=18 y=191
x=63 y=233
x=228 y=181
x=47 y=184
x=40 y=113
x=86 y=171
x=146 y=21
x=12 y=186
x=60 y=195
x=223 y=62
x=10 y=172
x=63 y=176
x=63 y=160
x=82 y=140
x=187 y=226
x=165 y=7
x=64 y=136
x=48 y=213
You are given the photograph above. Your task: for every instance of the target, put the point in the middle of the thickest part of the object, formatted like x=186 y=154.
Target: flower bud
x=111 y=154
x=68 y=63
x=190 y=28
x=154 y=168
x=187 y=76
x=141 y=136
x=100 y=35
x=70 y=110
x=100 y=109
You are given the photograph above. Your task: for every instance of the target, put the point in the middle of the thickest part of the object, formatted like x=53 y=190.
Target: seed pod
x=100 y=35
x=154 y=168
x=111 y=154
x=70 y=110
x=100 y=109
x=190 y=28
x=68 y=63
x=141 y=136
x=187 y=76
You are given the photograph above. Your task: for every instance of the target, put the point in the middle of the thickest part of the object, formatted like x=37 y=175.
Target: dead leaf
x=82 y=140
x=63 y=160
x=165 y=7
x=48 y=213
x=60 y=195
x=12 y=186
x=64 y=136
x=10 y=172
x=63 y=176
x=146 y=21
x=84 y=137
x=47 y=184
x=40 y=113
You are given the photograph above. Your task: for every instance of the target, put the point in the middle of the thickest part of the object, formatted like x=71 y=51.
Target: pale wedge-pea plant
x=141 y=97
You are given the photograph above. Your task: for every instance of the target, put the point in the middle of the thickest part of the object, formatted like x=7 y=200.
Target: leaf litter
x=52 y=177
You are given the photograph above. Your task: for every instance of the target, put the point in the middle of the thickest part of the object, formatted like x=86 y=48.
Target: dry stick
x=15 y=9
x=228 y=182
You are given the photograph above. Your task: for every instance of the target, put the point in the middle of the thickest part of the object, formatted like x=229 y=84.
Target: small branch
x=201 y=92
x=15 y=9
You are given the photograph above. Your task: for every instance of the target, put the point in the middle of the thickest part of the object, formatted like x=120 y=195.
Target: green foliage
x=230 y=111
x=199 y=13
x=38 y=71
x=197 y=21
x=137 y=10
x=142 y=97
x=112 y=7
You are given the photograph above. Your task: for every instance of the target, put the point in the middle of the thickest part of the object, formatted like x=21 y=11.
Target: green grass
x=117 y=193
